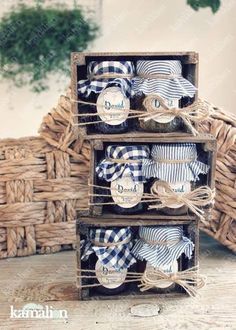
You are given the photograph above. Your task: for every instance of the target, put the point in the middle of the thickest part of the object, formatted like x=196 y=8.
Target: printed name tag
x=109 y=277
x=170 y=268
x=125 y=192
x=113 y=106
x=171 y=104
x=179 y=188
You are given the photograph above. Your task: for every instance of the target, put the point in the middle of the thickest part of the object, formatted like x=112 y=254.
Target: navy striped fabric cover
x=160 y=255
x=175 y=88
x=174 y=172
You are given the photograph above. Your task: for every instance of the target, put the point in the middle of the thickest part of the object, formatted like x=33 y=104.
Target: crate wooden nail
x=79 y=67
x=84 y=225
x=206 y=148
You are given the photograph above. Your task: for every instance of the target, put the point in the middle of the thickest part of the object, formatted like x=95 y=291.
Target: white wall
x=140 y=25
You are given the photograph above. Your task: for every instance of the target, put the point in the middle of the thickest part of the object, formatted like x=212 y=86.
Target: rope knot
x=194 y=199
x=193 y=113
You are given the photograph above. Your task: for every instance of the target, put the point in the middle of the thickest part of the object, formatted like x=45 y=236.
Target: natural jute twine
x=194 y=113
x=194 y=199
x=162 y=243
x=109 y=75
x=199 y=197
x=110 y=244
x=190 y=280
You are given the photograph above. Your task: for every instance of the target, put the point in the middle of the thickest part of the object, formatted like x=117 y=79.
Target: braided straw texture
x=222 y=226
x=43 y=182
x=40 y=187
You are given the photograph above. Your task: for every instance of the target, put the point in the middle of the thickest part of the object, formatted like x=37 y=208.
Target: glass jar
x=163 y=79
x=179 y=188
x=161 y=248
x=109 y=91
x=110 y=258
x=165 y=124
x=122 y=167
x=175 y=165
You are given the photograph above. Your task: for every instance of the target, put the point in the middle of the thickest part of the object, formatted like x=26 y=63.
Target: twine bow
x=194 y=113
x=194 y=199
x=188 y=279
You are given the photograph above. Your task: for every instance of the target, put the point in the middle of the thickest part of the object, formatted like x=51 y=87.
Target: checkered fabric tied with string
x=117 y=256
x=85 y=87
x=110 y=170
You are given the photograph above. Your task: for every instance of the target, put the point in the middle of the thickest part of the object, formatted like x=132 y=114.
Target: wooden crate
x=191 y=230
x=205 y=143
x=79 y=62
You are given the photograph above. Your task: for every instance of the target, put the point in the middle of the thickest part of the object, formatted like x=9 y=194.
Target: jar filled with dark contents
x=107 y=252
x=174 y=165
x=161 y=248
x=108 y=88
x=164 y=80
x=122 y=170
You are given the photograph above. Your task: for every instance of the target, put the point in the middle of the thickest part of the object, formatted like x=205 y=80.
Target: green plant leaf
x=213 y=4
x=35 y=42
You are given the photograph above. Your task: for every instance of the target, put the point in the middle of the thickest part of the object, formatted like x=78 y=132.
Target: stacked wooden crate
x=100 y=214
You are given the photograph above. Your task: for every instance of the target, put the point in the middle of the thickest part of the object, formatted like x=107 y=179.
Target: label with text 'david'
x=112 y=106
x=125 y=192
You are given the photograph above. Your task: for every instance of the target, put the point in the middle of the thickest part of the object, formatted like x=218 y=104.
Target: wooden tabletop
x=50 y=280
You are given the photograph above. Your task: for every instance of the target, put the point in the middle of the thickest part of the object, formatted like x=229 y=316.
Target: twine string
x=110 y=244
x=110 y=75
x=190 y=280
x=163 y=243
x=201 y=196
x=174 y=161
x=158 y=76
x=191 y=114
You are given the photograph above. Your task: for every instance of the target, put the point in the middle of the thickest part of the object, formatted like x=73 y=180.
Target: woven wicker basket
x=41 y=187
x=222 y=227
x=43 y=181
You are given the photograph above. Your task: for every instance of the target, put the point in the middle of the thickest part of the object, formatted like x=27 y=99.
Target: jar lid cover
x=172 y=85
x=171 y=245
x=97 y=85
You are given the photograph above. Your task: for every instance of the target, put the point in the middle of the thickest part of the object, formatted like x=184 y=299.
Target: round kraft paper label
x=179 y=188
x=125 y=192
x=113 y=106
x=170 y=268
x=109 y=277
x=171 y=104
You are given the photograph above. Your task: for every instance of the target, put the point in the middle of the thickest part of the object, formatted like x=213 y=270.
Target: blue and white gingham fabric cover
x=161 y=255
x=174 y=172
x=174 y=88
x=119 y=256
x=111 y=171
x=85 y=87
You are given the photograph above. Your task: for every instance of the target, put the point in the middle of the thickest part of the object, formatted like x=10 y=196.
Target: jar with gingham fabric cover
x=107 y=252
x=108 y=86
x=122 y=169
